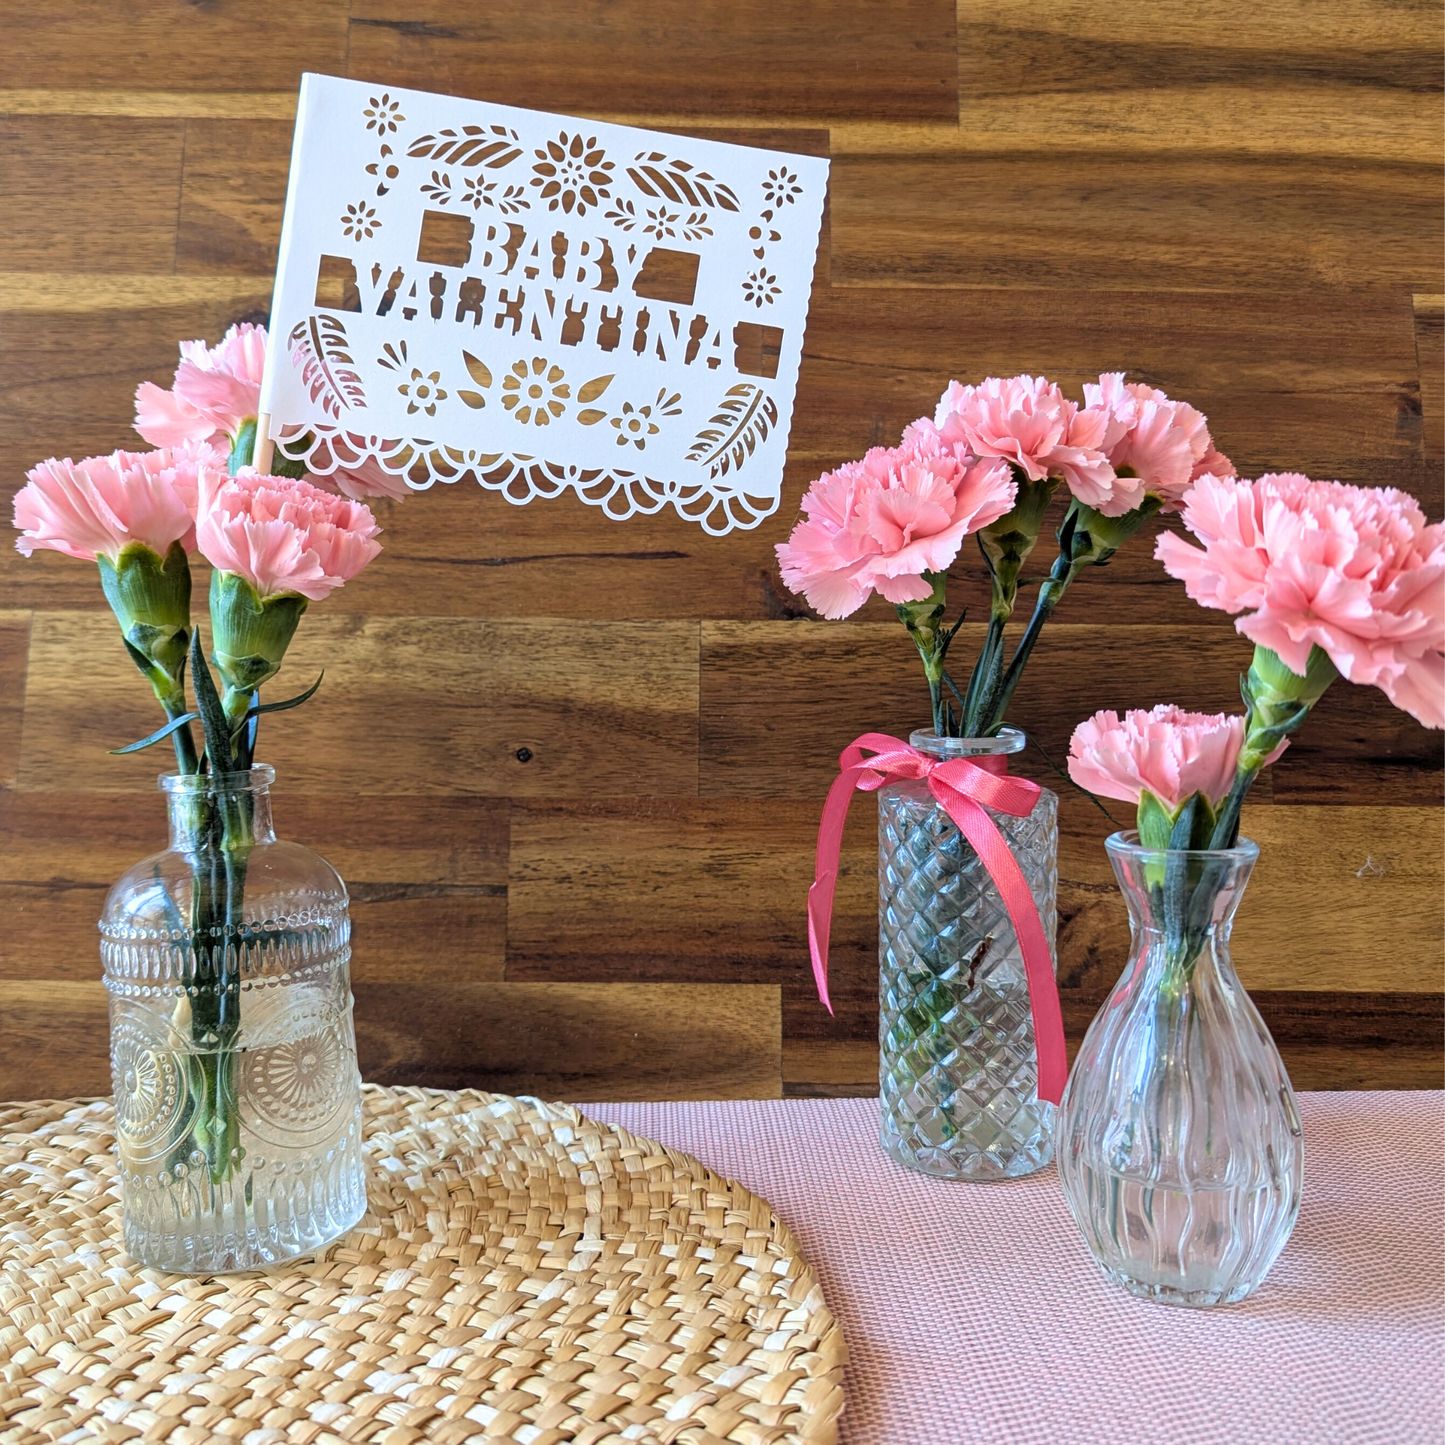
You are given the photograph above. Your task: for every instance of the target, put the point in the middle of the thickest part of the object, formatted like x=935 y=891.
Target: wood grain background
x=571 y=769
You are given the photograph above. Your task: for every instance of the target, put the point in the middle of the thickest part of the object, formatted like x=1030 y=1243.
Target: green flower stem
x=220 y=847
x=984 y=677
x=243 y=451
x=1086 y=539
x=996 y=698
x=1278 y=701
x=924 y=621
x=187 y=759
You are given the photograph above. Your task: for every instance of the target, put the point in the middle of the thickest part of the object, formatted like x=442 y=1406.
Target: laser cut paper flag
x=545 y=302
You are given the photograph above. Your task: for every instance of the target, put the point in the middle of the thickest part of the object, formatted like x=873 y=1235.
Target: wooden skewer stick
x=261 y=451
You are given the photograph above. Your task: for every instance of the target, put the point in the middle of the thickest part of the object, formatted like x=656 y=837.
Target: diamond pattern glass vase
x=958 y=1070
x=233 y=1057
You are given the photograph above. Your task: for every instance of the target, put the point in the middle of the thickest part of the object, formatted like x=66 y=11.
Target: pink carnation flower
x=216 y=389
x=1353 y=570
x=368 y=478
x=1164 y=443
x=881 y=523
x=1029 y=422
x=95 y=507
x=1172 y=753
x=282 y=535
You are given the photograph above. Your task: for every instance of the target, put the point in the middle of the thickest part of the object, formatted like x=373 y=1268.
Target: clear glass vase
x=1180 y=1149
x=957 y=1068
x=233 y=1058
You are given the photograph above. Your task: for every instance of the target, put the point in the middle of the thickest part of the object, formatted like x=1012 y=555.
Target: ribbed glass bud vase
x=237 y=1096
x=958 y=1070
x=1180 y=1149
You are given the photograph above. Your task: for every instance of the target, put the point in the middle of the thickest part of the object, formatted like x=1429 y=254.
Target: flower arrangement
x=967 y=856
x=1178 y=1097
x=1328 y=581
x=988 y=464
x=275 y=544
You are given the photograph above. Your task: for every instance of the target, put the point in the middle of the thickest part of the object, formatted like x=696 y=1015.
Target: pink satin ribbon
x=966 y=788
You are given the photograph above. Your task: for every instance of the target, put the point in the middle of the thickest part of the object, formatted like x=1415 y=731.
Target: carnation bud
x=1094 y=538
x=1007 y=542
x=1279 y=700
x=151 y=599
x=249 y=636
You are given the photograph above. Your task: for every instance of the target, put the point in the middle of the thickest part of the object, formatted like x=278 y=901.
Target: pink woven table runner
x=975 y=1313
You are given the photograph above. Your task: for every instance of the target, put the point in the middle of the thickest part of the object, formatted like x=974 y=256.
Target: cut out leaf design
x=677 y=181
x=591 y=390
x=481 y=374
x=744 y=418
x=319 y=346
x=475 y=145
x=590 y=417
x=478 y=370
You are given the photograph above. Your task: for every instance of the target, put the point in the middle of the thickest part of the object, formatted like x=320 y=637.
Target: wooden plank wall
x=570 y=768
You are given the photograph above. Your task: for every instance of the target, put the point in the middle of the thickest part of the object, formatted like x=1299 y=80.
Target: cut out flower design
x=572 y=173
x=506 y=199
x=360 y=221
x=761 y=288
x=422 y=392
x=638 y=424
x=383 y=114
x=535 y=393
x=781 y=188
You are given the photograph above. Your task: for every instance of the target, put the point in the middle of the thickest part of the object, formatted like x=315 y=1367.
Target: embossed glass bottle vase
x=958 y=1070
x=237 y=1096
x=1179 y=1144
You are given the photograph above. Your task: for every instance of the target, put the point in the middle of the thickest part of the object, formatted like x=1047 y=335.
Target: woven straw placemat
x=522 y=1274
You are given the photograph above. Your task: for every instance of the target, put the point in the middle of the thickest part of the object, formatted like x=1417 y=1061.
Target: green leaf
x=152 y=672
x=1204 y=821
x=290 y=702
x=1181 y=833
x=213 y=715
x=160 y=735
x=1155 y=822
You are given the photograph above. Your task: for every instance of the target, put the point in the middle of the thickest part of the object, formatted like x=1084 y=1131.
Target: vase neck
x=1182 y=903
x=232 y=810
x=1009 y=740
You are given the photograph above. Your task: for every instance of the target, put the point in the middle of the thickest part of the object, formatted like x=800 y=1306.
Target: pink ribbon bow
x=966 y=788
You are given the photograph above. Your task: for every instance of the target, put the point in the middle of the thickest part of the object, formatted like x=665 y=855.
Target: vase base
x=1165 y=1294
x=971 y=1168
x=235 y=1242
